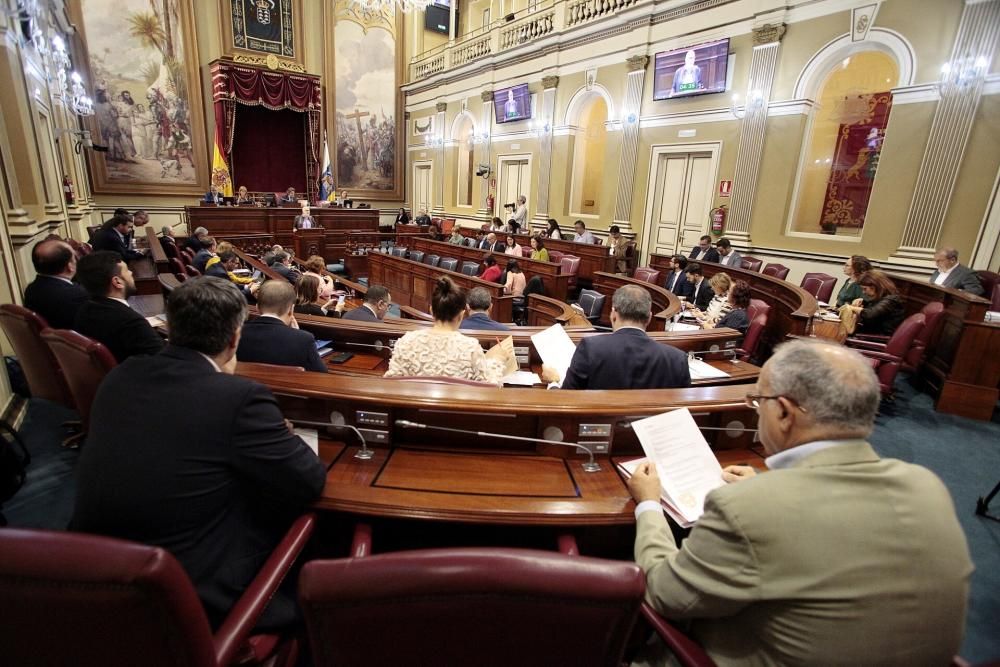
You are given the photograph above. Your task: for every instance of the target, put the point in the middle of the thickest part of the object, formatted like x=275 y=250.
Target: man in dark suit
x=114 y=236
x=53 y=294
x=184 y=455
x=677 y=281
x=207 y=252
x=375 y=307
x=274 y=337
x=482 y=240
x=479 y=301
x=627 y=358
x=950 y=273
x=701 y=292
x=728 y=256
x=493 y=245
x=194 y=241
x=107 y=317
x=704 y=252
x=282 y=264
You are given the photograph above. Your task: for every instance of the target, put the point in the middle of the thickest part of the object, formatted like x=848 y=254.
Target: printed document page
x=555 y=348
x=687 y=467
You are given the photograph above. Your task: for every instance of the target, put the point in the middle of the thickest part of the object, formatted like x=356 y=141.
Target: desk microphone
x=590 y=466
x=378 y=345
x=363 y=454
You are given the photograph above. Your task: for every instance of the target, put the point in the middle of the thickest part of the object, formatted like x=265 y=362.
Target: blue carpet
x=964 y=453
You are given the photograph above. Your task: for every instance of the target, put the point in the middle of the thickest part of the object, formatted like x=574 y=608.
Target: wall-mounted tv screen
x=696 y=70
x=512 y=103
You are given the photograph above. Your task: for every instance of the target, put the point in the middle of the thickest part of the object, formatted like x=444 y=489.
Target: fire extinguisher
x=718 y=218
x=490 y=201
x=68 y=191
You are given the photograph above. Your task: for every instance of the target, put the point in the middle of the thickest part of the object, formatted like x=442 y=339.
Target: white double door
x=680 y=194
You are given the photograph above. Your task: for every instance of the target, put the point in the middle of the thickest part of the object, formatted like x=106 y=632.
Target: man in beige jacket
x=833 y=556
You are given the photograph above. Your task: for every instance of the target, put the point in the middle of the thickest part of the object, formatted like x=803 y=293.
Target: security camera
x=484 y=171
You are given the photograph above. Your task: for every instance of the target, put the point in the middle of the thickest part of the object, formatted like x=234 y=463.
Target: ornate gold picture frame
x=264 y=28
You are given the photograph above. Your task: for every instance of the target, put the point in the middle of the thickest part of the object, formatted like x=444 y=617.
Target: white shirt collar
x=212 y=361
x=791 y=457
x=122 y=301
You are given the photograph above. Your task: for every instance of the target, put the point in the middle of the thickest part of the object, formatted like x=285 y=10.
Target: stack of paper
x=681 y=326
x=522 y=379
x=702 y=371
x=687 y=467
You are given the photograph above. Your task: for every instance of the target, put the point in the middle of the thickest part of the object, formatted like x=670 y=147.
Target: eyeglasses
x=754 y=400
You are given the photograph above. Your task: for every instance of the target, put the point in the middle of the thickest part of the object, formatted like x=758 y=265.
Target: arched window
x=588 y=156
x=843 y=142
x=465 y=170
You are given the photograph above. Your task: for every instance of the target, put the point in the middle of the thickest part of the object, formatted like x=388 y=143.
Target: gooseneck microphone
x=363 y=454
x=590 y=466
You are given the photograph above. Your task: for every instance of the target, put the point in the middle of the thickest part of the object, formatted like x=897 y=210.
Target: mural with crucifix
x=367 y=62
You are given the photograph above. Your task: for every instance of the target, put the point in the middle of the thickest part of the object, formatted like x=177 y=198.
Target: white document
x=628 y=468
x=522 y=379
x=683 y=326
x=703 y=371
x=310 y=436
x=555 y=348
x=157 y=321
x=687 y=467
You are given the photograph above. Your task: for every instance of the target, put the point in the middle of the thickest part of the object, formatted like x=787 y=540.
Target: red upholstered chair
x=887 y=358
x=757 y=312
x=752 y=264
x=570 y=266
x=648 y=275
x=688 y=652
x=187 y=255
x=23 y=329
x=487 y=607
x=989 y=280
x=526 y=250
x=177 y=268
x=820 y=285
x=555 y=256
x=84 y=363
x=191 y=271
x=88 y=600
x=914 y=359
x=779 y=271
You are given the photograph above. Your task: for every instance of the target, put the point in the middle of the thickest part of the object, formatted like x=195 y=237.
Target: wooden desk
x=225 y=222
x=427 y=474
x=556 y=283
x=665 y=303
x=792 y=308
x=412 y=283
x=593 y=258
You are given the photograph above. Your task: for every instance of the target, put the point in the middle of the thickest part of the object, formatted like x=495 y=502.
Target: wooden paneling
x=412 y=284
x=593 y=258
x=665 y=303
x=556 y=284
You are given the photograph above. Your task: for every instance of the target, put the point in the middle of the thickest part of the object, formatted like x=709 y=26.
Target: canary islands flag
x=220 y=171
x=326 y=187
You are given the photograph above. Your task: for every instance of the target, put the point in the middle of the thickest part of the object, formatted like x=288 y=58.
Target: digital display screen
x=695 y=70
x=512 y=103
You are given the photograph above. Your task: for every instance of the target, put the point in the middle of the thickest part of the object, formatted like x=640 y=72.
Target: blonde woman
x=719 y=306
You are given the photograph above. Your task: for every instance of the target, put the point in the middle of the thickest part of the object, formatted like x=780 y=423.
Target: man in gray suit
x=950 y=273
x=833 y=555
x=728 y=255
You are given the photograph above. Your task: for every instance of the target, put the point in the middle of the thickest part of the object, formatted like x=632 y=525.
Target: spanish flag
x=220 y=170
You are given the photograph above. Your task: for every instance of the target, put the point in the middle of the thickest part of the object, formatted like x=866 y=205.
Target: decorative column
x=766 y=41
x=961 y=88
x=630 y=140
x=548 y=110
x=484 y=141
x=452 y=15
x=439 y=167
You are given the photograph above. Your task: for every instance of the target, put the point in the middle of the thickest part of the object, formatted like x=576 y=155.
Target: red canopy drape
x=238 y=84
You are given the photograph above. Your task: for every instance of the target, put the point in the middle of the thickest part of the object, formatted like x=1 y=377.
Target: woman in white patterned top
x=441 y=350
x=719 y=305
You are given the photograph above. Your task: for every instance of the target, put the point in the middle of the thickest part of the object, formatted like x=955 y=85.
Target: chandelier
x=388 y=6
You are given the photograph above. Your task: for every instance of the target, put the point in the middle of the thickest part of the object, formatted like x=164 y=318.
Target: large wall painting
x=143 y=68
x=368 y=132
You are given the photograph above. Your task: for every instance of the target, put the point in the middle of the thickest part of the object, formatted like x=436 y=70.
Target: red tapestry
x=855 y=161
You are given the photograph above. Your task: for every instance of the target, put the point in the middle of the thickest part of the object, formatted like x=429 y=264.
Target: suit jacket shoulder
x=360 y=314
x=56 y=300
x=267 y=340
x=626 y=359
x=122 y=330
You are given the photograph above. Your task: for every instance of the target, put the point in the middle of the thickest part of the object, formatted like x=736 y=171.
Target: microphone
x=363 y=454
x=378 y=345
x=590 y=466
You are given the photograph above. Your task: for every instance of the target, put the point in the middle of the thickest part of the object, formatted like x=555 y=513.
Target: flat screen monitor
x=695 y=70
x=512 y=103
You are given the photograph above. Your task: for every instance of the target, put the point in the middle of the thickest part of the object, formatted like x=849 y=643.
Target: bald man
x=833 y=555
x=53 y=294
x=274 y=336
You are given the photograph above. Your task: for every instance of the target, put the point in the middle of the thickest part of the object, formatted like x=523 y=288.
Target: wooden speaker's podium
x=308 y=242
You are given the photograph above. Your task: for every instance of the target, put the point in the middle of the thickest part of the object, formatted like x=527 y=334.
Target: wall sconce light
x=963 y=73
x=755 y=101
